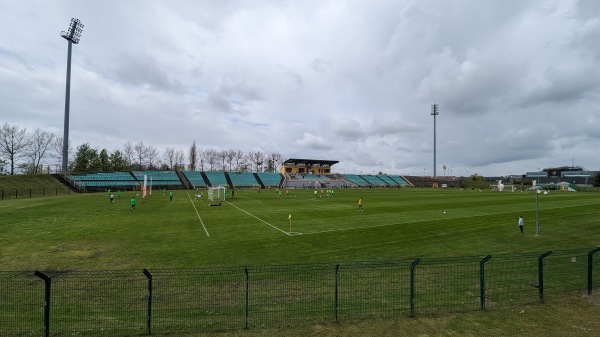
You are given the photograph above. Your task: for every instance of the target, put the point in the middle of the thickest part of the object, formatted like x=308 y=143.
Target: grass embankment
x=30 y=185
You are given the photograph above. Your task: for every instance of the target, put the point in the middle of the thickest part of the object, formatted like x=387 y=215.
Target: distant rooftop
x=309 y=162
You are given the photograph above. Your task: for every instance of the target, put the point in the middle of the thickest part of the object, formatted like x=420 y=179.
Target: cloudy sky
x=517 y=81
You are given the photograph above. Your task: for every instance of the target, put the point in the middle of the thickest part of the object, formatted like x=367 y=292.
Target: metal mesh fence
x=21 y=304
x=373 y=290
x=447 y=285
x=98 y=301
x=511 y=279
x=198 y=299
x=23 y=193
x=566 y=271
x=167 y=301
x=290 y=295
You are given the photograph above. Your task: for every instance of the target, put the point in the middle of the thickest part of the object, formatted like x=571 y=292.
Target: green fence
x=22 y=193
x=164 y=301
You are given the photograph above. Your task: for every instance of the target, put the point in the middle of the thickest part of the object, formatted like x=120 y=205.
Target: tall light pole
x=434 y=112
x=72 y=35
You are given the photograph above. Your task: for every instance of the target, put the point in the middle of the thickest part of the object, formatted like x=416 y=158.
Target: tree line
x=30 y=151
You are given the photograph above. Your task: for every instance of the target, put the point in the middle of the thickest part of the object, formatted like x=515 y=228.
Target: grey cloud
x=145 y=71
x=563 y=86
x=347 y=128
x=388 y=126
x=230 y=98
x=321 y=66
x=313 y=142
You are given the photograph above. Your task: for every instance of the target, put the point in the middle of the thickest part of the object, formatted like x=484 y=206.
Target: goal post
x=217 y=192
x=511 y=188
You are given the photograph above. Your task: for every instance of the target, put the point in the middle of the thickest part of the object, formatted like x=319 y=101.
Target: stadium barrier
x=15 y=193
x=167 y=301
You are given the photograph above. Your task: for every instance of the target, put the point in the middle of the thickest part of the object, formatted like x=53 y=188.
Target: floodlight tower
x=72 y=35
x=434 y=112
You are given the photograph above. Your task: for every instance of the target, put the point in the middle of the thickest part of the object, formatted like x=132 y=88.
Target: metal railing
x=163 y=301
x=22 y=193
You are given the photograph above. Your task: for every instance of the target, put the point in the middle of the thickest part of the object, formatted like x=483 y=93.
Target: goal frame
x=217 y=192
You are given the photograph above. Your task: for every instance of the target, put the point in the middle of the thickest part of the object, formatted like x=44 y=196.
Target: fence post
x=541 y=273
x=247 y=295
x=149 y=312
x=336 y=304
x=482 y=280
x=413 y=265
x=590 y=268
x=47 y=282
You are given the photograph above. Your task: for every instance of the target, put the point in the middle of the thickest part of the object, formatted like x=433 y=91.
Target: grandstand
x=389 y=181
x=195 y=178
x=103 y=180
x=294 y=173
x=356 y=179
x=307 y=166
x=374 y=181
x=400 y=180
x=242 y=179
x=270 y=179
x=216 y=178
x=165 y=179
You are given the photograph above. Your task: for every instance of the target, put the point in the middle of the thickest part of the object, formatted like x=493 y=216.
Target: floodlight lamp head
x=74 y=32
x=435 y=109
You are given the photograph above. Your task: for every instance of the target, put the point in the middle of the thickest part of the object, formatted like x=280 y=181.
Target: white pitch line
x=198 y=214
x=259 y=219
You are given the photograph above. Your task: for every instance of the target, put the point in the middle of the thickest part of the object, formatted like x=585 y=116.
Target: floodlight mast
x=434 y=112
x=72 y=35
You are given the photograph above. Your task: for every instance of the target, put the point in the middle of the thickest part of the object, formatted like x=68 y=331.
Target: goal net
x=217 y=192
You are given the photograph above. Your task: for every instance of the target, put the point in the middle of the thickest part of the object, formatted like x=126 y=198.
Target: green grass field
x=86 y=231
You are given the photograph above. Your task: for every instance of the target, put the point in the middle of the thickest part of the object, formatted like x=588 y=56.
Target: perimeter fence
x=167 y=301
x=22 y=193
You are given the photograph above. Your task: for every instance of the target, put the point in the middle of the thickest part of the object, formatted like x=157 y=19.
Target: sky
x=517 y=81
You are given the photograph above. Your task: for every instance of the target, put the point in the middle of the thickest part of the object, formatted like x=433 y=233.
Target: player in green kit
x=132 y=202
x=171 y=196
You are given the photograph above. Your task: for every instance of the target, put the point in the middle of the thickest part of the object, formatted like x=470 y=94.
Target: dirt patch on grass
x=594 y=298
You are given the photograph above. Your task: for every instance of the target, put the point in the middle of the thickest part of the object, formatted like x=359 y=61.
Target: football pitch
x=87 y=231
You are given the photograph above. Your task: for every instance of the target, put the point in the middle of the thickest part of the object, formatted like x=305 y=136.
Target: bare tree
x=179 y=158
x=151 y=155
x=169 y=157
x=202 y=159
x=240 y=160
x=211 y=159
x=128 y=153
x=274 y=162
x=141 y=155
x=57 y=149
x=257 y=159
x=40 y=143
x=192 y=156
x=229 y=156
x=13 y=143
x=222 y=159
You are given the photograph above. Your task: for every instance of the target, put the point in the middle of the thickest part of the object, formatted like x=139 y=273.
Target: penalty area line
x=198 y=214
x=259 y=219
